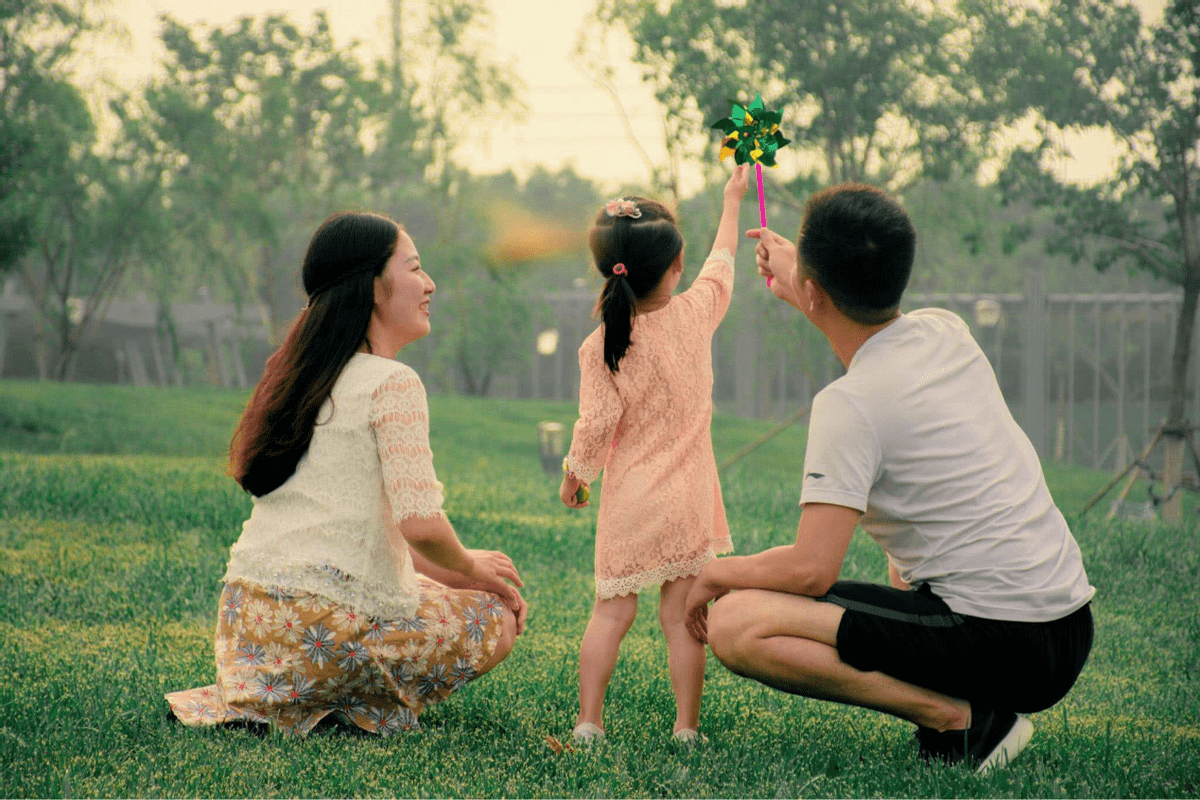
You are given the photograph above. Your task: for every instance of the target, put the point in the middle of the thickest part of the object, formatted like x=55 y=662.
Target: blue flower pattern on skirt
x=379 y=677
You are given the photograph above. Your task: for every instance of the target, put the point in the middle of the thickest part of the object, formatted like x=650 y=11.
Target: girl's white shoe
x=586 y=733
x=690 y=736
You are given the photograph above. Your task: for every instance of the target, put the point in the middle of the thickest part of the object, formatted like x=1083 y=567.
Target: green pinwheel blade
x=770 y=118
x=780 y=141
x=726 y=125
x=767 y=159
x=757 y=106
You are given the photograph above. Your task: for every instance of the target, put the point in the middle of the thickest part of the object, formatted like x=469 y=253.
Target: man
x=988 y=610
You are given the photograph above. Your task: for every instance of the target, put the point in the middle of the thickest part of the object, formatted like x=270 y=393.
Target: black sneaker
x=993 y=740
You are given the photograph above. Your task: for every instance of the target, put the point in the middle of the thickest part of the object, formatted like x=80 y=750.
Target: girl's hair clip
x=622 y=208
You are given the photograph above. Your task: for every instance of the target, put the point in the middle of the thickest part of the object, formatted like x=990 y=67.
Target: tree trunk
x=1176 y=430
x=65 y=361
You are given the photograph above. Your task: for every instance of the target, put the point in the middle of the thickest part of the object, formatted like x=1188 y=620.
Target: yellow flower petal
x=755 y=154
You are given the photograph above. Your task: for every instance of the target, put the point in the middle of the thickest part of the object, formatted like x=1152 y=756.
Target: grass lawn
x=115 y=523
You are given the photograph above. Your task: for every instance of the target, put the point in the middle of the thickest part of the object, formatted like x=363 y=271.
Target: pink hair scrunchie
x=619 y=269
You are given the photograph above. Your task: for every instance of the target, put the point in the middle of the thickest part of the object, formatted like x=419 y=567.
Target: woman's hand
x=437 y=553
x=735 y=187
x=695 y=608
x=776 y=260
x=489 y=571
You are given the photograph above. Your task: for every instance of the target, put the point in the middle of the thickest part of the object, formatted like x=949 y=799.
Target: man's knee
x=731 y=623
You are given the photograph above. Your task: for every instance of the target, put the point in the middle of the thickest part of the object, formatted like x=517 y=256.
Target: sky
x=570 y=120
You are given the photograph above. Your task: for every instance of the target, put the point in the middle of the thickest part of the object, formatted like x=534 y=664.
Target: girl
x=645 y=408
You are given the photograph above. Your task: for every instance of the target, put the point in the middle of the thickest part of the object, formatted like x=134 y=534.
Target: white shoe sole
x=1010 y=746
x=587 y=732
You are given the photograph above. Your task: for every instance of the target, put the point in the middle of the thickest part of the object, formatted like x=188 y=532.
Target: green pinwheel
x=751 y=134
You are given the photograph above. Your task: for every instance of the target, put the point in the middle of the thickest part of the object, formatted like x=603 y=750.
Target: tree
x=872 y=88
x=42 y=115
x=1093 y=64
x=263 y=124
x=70 y=209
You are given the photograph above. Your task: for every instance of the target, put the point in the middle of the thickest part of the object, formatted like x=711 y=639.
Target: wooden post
x=1096 y=385
x=1071 y=381
x=137 y=363
x=745 y=368
x=558 y=355
x=1060 y=425
x=1122 y=329
x=160 y=366
x=1034 y=357
x=219 y=369
x=1146 y=344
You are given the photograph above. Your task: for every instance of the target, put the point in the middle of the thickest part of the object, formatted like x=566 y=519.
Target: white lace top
x=330 y=528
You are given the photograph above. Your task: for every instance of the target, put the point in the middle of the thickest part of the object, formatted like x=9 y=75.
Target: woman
x=348 y=591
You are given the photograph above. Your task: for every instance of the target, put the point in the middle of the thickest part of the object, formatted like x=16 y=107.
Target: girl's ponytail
x=633 y=242
x=618 y=306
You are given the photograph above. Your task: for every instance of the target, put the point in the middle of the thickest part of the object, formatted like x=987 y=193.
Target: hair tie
x=619 y=269
x=622 y=208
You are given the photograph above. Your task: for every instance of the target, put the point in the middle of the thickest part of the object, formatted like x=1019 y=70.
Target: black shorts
x=914 y=636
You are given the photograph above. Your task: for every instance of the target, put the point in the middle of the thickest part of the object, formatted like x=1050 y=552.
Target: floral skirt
x=293 y=659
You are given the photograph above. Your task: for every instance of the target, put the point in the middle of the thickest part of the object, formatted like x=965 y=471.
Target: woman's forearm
x=446 y=577
x=434 y=539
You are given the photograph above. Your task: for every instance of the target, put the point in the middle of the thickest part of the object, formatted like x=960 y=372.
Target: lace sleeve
x=599 y=412
x=400 y=421
x=713 y=287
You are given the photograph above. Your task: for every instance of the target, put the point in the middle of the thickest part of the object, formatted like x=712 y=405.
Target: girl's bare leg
x=610 y=622
x=685 y=655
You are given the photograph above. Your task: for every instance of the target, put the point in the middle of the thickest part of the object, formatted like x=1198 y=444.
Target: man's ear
x=818 y=298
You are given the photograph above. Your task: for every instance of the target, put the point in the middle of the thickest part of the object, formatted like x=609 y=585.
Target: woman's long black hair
x=347 y=252
x=646 y=246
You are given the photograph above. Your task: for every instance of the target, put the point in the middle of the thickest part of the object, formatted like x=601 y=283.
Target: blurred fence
x=140 y=343
x=1086 y=375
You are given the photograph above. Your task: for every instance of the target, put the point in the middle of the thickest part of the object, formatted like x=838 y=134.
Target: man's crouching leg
x=789 y=642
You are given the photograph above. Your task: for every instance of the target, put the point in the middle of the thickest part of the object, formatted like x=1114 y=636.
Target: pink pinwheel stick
x=762 y=198
x=762 y=202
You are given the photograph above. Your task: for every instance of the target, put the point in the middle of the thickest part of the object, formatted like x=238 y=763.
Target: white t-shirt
x=917 y=436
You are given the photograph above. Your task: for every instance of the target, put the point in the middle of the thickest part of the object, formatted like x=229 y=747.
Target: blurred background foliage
x=209 y=179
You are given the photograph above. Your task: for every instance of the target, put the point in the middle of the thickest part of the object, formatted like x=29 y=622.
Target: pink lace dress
x=647 y=427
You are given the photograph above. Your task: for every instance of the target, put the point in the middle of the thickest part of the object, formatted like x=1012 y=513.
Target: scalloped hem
x=634 y=584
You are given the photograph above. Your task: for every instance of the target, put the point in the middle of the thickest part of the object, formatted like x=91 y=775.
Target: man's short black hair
x=858 y=244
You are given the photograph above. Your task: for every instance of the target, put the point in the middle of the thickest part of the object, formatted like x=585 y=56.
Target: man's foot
x=993 y=740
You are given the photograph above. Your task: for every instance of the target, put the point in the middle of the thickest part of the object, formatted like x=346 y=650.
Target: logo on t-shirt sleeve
x=814 y=475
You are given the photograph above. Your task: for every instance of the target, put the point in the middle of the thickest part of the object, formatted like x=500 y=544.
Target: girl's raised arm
x=735 y=189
